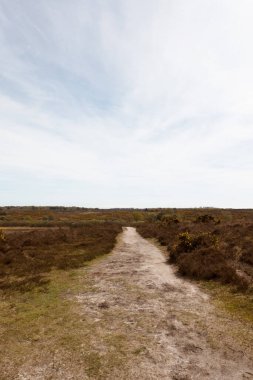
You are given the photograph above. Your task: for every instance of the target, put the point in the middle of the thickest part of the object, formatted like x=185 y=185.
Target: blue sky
x=136 y=103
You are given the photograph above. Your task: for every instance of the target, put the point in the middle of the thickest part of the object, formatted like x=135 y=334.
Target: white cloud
x=150 y=102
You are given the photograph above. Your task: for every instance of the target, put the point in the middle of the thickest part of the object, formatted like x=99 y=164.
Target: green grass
x=42 y=321
x=38 y=312
x=238 y=305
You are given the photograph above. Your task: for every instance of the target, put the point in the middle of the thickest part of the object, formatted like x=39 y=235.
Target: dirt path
x=152 y=325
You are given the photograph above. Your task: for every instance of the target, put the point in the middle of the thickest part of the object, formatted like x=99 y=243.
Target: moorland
x=46 y=253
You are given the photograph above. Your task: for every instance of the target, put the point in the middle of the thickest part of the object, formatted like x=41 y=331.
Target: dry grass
x=43 y=326
x=225 y=297
x=41 y=270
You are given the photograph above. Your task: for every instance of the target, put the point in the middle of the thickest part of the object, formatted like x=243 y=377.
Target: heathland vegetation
x=44 y=252
x=205 y=244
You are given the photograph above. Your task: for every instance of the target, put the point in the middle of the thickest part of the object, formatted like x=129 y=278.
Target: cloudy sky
x=137 y=103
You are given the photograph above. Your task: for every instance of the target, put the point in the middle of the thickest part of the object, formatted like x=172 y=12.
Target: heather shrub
x=205 y=263
x=29 y=255
x=207 y=250
x=206 y=218
x=189 y=242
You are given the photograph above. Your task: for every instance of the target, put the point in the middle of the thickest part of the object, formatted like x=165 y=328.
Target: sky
x=137 y=103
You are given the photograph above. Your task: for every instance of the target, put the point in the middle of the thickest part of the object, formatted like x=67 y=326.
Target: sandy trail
x=167 y=325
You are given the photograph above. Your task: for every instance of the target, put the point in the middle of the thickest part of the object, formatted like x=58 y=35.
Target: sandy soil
x=168 y=327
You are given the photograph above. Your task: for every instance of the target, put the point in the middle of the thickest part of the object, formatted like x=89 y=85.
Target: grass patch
x=40 y=321
x=40 y=324
x=239 y=305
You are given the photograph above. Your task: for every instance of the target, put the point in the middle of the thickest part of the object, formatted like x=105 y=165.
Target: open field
x=68 y=311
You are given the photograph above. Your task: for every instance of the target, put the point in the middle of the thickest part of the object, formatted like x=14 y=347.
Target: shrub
x=188 y=242
x=29 y=255
x=206 y=248
x=206 y=218
x=205 y=263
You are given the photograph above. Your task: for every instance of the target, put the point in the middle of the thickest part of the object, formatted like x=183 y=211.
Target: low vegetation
x=43 y=251
x=39 y=269
x=27 y=256
x=207 y=246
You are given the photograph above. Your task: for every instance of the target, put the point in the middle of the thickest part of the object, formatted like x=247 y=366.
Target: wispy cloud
x=126 y=103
